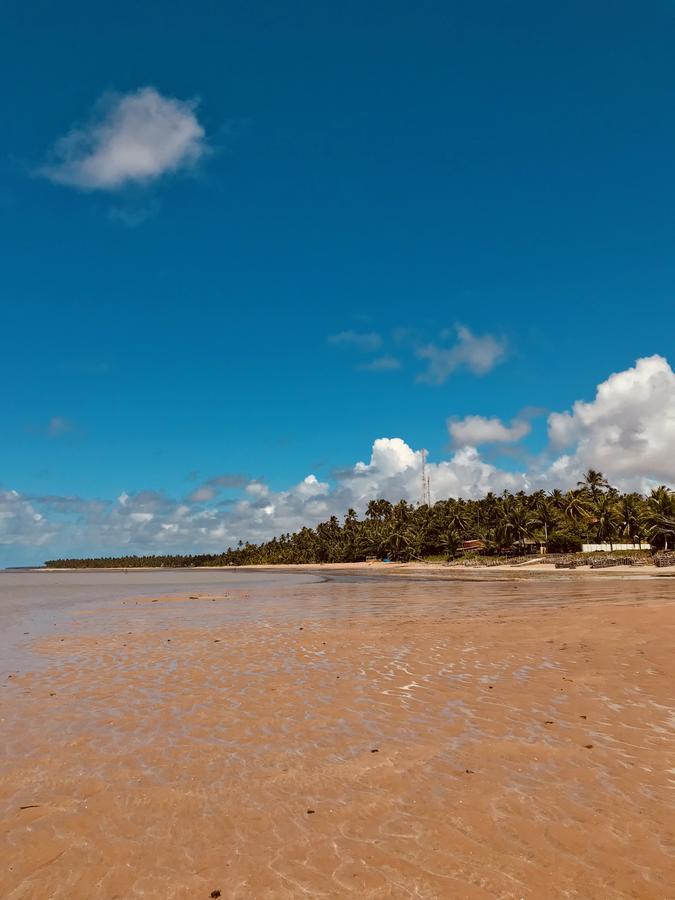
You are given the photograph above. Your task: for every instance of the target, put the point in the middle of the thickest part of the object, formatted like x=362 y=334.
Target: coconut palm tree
x=630 y=514
x=453 y=542
x=575 y=505
x=545 y=513
x=594 y=482
x=517 y=526
x=378 y=509
x=557 y=499
x=607 y=519
x=660 y=516
x=458 y=519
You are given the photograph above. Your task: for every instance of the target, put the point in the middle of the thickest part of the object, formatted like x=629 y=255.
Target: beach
x=366 y=731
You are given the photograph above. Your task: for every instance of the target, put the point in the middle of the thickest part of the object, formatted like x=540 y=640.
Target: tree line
x=510 y=524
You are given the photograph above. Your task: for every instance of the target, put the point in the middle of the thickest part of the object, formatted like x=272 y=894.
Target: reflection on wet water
x=376 y=739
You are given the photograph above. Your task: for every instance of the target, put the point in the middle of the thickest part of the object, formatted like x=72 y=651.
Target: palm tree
x=661 y=514
x=545 y=515
x=575 y=505
x=378 y=509
x=452 y=543
x=458 y=519
x=557 y=498
x=397 y=544
x=630 y=514
x=607 y=519
x=594 y=482
x=517 y=525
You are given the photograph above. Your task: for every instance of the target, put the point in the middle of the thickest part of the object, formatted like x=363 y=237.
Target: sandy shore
x=528 y=569
x=392 y=738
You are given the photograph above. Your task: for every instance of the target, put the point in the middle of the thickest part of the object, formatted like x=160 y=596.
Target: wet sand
x=383 y=738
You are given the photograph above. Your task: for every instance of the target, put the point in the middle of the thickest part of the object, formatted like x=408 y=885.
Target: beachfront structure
x=472 y=545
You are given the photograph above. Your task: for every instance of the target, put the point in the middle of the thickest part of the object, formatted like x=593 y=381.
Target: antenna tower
x=426 y=488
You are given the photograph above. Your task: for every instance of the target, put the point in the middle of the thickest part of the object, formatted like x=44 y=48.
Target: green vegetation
x=508 y=525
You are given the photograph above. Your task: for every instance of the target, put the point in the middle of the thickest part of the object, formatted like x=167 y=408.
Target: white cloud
x=311 y=487
x=395 y=472
x=132 y=138
x=257 y=489
x=382 y=364
x=132 y=216
x=21 y=523
x=202 y=494
x=58 y=426
x=211 y=488
x=472 y=431
x=478 y=354
x=366 y=341
x=627 y=431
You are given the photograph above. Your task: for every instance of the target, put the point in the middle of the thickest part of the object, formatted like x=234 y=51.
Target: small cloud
x=473 y=431
x=229 y=480
x=366 y=341
x=208 y=490
x=405 y=335
x=59 y=426
x=202 y=494
x=131 y=139
x=132 y=217
x=478 y=354
x=382 y=364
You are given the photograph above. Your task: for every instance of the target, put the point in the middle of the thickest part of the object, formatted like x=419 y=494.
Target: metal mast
x=426 y=488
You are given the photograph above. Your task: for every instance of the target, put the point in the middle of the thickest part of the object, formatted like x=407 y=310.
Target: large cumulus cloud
x=627 y=431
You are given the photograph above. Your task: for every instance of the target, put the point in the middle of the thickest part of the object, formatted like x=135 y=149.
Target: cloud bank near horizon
x=627 y=431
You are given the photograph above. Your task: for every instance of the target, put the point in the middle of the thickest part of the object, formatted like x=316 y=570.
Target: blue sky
x=358 y=190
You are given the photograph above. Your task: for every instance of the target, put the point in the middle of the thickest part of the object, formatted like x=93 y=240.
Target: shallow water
x=34 y=603
x=451 y=739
